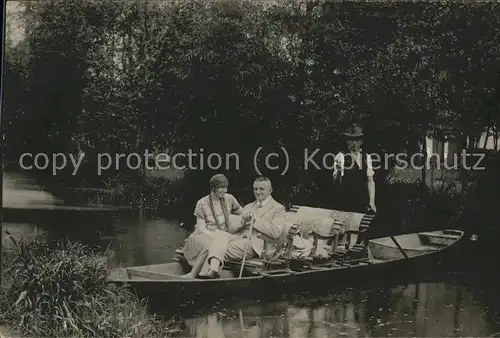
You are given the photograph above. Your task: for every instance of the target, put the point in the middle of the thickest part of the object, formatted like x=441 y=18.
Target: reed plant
x=63 y=291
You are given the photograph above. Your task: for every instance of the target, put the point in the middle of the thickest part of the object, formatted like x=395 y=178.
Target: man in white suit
x=269 y=221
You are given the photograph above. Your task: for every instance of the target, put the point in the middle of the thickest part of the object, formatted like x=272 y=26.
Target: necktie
x=259 y=204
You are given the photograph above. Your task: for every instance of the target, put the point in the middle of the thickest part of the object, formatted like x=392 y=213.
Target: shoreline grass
x=63 y=291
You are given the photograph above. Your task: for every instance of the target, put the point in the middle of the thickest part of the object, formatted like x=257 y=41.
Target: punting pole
x=399 y=247
x=246 y=248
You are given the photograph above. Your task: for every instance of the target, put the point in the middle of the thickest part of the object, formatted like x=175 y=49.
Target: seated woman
x=212 y=214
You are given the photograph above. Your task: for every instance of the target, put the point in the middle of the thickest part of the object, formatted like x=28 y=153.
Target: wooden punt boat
x=383 y=258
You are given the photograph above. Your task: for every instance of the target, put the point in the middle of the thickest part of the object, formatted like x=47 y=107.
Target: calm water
x=450 y=308
x=421 y=309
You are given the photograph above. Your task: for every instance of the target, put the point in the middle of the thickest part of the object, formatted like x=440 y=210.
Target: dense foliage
x=230 y=76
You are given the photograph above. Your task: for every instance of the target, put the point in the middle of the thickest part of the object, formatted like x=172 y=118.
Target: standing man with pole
x=354 y=186
x=353 y=176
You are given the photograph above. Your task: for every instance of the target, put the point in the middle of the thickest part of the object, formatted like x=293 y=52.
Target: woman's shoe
x=211 y=274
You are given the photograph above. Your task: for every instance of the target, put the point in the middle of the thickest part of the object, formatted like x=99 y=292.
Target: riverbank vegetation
x=62 y=292
x=92 y=77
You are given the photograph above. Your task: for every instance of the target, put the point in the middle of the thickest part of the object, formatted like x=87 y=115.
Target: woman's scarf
x=224 y=210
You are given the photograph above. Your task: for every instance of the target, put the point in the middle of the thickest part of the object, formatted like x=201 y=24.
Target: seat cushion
x=310 y=222
x=320 y=219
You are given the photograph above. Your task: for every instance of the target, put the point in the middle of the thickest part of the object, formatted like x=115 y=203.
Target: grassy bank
x=62 y=292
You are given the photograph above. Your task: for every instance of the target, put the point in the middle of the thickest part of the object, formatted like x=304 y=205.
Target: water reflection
x=22 y=230
x=19 y=190
x=141 y=241
x=422 y=310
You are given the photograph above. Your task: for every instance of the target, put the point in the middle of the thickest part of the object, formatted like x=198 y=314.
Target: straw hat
x=354 y=130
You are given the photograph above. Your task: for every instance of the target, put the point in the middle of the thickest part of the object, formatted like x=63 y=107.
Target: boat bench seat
x=253 y=262
x=252 y=266
x=440 y=239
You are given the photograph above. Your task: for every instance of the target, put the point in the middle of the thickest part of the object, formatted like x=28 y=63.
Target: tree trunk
x=424 y=166
x=495 y=136
x=461 y=142
x=142 y=125
x=130 y=56
x=486 y=136
x=113 y=51
x=124 y=52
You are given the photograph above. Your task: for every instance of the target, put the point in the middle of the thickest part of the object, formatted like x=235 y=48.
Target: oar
x=246 y=248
